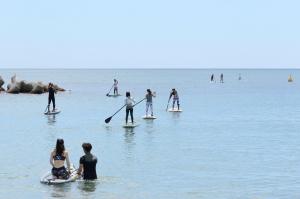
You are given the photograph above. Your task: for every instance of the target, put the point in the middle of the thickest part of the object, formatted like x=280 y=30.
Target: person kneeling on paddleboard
x=129 y=102
x=87 y=163
x=57 y=159
x=51 y=96
x=148 y=97
x=175 y=98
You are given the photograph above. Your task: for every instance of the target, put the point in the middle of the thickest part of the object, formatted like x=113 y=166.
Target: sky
x=149 y=34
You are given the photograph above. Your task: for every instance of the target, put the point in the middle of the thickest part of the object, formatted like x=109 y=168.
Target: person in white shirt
x=129 y=102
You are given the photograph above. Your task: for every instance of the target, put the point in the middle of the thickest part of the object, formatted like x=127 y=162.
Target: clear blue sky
x=156 y=33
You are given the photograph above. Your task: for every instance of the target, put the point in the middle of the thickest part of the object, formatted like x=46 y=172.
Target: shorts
x=60 y=172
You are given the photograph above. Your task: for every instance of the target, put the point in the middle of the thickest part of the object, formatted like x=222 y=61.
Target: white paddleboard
x=113 y=95
x=48 y=178
x=130 y=125
x=174 y=110
x=56 y=111
x=149 y=117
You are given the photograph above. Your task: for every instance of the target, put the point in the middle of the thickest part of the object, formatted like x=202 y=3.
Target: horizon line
x=151 y=68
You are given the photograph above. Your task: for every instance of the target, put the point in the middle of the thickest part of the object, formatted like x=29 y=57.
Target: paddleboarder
x=116 y=87
x=221 y=78
x=51 y=97
x=129 y=102
x=148 y=97
x=174 y=93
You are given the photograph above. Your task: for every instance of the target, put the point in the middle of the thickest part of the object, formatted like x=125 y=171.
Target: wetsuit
x=62 y=171
x=129 y=108
x=149 y=103
x=175 y=99
x=89 y=162
x=51 y=97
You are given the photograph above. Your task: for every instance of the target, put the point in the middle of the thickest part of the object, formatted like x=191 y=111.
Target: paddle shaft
x=139 y=102
x=168 y=104
x=118 y=111
x=110 y=89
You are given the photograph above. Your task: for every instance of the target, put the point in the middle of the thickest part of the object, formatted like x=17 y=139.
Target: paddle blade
x=108 y=120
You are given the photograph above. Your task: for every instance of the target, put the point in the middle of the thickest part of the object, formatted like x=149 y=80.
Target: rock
x=57 y=88
x=38 y=88
x=26 y=87
x=1 y=82
x=14 y=88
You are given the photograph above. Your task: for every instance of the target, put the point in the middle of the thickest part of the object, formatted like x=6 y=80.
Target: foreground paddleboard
x=149 y=117
x=174 y=110
x=48 y=178
x=52 y=112
x=130 y=125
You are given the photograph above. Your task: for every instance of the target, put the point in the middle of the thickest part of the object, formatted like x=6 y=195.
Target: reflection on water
x=61 y=190
x=51 y=119
x=176 y=115
x=87 y=185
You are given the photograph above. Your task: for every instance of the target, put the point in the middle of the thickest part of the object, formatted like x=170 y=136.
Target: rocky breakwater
x=23 y=86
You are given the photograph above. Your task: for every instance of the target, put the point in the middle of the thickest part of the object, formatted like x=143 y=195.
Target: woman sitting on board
x=57 y=159
x=51 y=96
x=129 y=102
x=116 y=87
x=175 y=98
x=148 y=97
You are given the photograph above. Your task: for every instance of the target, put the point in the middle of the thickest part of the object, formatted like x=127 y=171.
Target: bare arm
x=68 y=161
x=80 y=169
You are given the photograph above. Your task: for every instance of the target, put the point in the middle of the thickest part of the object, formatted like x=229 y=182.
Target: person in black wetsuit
x=51 y=96
x=87 y=163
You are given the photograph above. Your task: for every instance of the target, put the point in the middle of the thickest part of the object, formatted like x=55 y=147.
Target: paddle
x=109 y=90
x=138 y=102
x=47 y=107
x=168 y=104
x=107 y=120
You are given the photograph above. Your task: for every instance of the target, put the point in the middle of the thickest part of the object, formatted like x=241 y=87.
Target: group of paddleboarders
x=87 y=163
x=212 y=78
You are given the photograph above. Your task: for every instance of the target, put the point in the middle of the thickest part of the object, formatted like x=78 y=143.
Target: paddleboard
x=113 y=95
x=56 y=111
x=130 y=125
x=174 y=110
x=48 y=178
x=149 y=117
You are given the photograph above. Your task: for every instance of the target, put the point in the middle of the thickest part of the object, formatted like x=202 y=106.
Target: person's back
x=89 y=162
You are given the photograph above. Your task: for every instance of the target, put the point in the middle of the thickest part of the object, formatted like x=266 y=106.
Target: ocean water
x=237 y=140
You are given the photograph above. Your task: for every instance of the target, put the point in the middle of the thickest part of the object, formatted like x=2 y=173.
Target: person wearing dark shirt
x=87 y=163
x=51 y=97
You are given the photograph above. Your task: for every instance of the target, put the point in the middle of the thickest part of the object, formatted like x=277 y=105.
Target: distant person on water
x=175 y=98
x=116 y=87
x=129 y=102
x=240 y=77
x=148 y=97
x=51 y=97
x=212 y=78
x=87 y=163
x=221 y=78
x=58 y=158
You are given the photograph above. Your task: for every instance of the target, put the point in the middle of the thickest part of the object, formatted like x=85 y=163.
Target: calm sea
x=236 y=140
